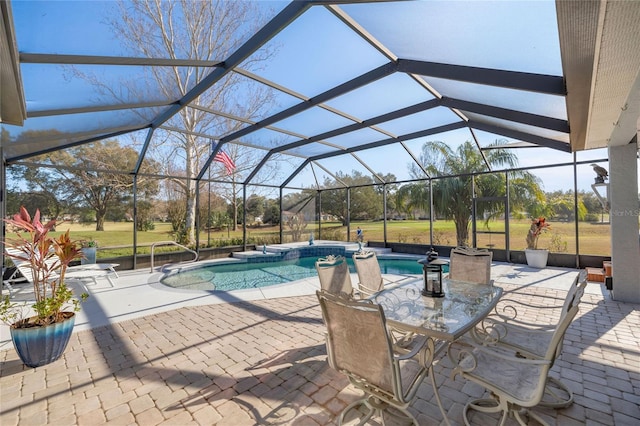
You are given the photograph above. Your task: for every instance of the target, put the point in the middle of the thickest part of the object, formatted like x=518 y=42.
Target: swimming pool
x=235 y=276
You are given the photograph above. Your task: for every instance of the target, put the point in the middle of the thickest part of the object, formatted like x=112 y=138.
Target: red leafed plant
x=538 y=226
x=48 y=258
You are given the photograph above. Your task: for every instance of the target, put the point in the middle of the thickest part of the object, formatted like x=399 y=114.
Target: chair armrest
x=507 y=311
x=492 y=332
x=464 y=354
x=422 y=350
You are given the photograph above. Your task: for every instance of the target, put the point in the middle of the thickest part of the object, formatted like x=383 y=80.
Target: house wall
x=624 y=212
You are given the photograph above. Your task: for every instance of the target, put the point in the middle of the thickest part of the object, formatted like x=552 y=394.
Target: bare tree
x=197 y=30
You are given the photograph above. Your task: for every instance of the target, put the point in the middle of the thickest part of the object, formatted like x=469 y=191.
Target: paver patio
x=263 y=362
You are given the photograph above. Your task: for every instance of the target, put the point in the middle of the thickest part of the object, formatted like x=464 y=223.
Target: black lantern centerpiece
x=432 y=271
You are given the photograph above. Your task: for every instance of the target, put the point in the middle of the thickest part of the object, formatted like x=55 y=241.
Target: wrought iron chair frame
x=389 y=379
x=517 y=384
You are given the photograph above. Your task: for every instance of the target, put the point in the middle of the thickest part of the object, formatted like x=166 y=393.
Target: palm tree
x=453 y=196
x=411 y=198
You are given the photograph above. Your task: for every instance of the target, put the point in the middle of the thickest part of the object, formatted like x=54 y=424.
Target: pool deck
x=139 y=293
x=145 y=354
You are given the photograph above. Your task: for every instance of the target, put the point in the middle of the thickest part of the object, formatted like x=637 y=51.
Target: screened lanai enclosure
x=249 y=123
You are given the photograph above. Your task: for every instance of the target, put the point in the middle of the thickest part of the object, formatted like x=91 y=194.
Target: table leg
x=435 y=391
x=439 y=347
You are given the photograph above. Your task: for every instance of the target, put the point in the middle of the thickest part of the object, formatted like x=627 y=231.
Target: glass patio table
x=441 y=319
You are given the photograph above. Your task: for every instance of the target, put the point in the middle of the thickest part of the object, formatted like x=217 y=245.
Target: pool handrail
x=167 y=243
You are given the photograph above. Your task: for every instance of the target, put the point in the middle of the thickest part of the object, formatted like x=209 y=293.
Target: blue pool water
x=225 y=277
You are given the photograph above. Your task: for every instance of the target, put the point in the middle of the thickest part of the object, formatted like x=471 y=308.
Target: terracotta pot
x=37 y=346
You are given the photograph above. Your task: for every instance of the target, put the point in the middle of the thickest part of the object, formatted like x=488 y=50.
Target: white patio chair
x=359 y=346
x=369 y=275
x=14 y=278
x=370 y=282
x=334 y=275
x=22 y=273
x=470 y=265
x=516 y=384
x=530 y=340
x=73 y=273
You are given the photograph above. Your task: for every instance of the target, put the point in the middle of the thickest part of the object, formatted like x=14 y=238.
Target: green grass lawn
x=117 y=239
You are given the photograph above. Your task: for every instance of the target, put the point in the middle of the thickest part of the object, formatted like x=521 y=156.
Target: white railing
x=171 y=243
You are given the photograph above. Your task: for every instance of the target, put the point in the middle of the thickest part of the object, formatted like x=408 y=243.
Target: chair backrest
x=333 y=272
x=470 y=265
x=358 y=343
x=21 y=264
x=554 y=349
x=369 y=274
x=574 y=296
x=575 y=292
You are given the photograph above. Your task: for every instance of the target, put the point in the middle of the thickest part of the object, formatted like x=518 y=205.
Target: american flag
x=224 y=158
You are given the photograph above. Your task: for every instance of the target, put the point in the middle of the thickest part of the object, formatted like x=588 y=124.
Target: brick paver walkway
x=263 y=363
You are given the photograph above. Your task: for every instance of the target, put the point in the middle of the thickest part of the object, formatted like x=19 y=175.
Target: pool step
x=276 y=249
x=352 y=248
x=253 y=253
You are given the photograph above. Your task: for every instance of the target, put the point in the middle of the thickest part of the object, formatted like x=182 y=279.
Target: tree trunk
x=462 y=231
x=190 y=232
x=235 y=215
x=100 y=215
x=234 y=203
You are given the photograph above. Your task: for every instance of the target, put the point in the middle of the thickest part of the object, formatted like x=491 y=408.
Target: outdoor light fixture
x=432 y=272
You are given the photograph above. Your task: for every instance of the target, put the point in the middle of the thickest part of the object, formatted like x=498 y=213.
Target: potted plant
x=536 y=258
x=89 y=251
x=40 y=334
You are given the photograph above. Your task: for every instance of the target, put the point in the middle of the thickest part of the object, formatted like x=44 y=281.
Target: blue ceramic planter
x=37 y=346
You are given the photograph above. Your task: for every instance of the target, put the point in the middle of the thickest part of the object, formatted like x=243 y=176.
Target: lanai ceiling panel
x=17 y=150
x=510 y=35
x=343 y=77
x=41 y=134
x=528 y=154
x=399 y=90
x=520 y=127
x=268 y=139
x=208 y=124
x=428 y=119
x=253 y=100
x=518 y=100
x=313 y=121
x=388 y=160
x=356 y=139
x=313 y=149
x=52 y=87
x=59 y=32
x=315 y=53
